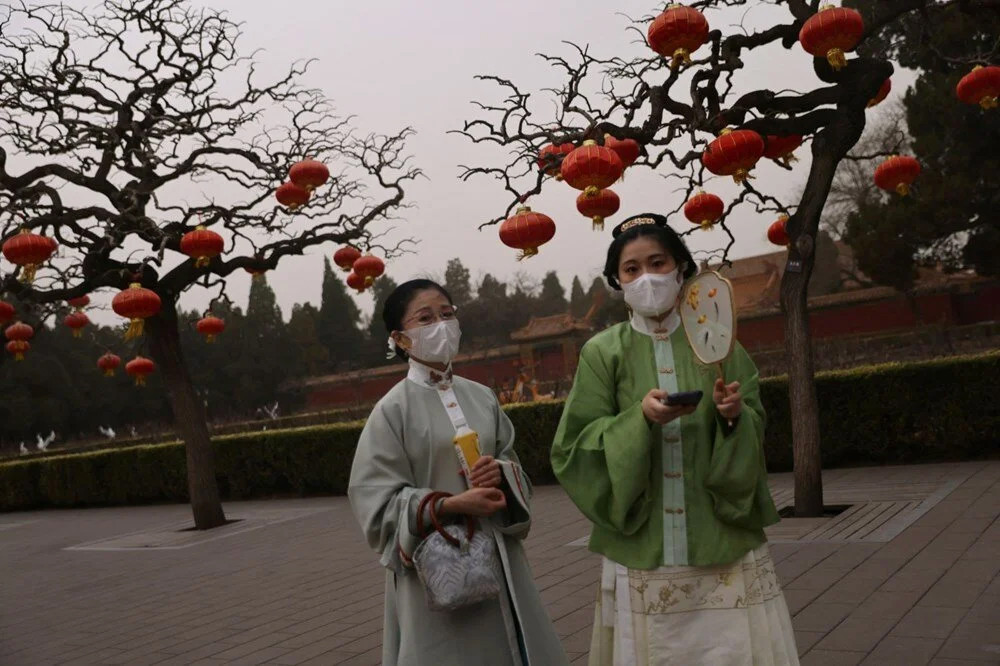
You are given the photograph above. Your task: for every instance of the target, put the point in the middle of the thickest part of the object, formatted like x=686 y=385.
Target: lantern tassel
x=598 y=224
x=527 y=253
x=988 y=102
x=18 y=356
x=209 y=338
x=837 y=59
x=741 y=176
x=903 y=189
x=590 y=191
x=202 y=262
x=369 y=281
x=110 y=372
x=29 y=273
x=77 y=332
x=140 y=380
x=135 y=329
x=706 y=225
x=680 y=57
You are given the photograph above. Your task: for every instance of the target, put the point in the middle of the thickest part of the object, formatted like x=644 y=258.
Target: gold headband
x=636 y=222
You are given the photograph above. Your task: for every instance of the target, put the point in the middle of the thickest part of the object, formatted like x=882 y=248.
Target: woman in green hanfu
x=405 y=452
x=677 y=495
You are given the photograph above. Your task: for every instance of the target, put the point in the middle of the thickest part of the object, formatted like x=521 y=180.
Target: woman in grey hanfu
x=405 y=452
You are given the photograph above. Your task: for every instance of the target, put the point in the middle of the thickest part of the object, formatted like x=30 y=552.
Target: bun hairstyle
x=399 y=300
x=656 y=227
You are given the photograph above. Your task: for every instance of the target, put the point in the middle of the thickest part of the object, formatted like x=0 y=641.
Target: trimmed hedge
x=894 y=413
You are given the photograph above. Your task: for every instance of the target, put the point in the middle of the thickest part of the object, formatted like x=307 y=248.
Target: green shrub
x=894 y=413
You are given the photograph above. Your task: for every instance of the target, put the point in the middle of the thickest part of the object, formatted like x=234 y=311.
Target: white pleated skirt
x=728 y=615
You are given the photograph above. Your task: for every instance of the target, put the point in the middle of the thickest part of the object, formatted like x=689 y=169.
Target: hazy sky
x=395 y=63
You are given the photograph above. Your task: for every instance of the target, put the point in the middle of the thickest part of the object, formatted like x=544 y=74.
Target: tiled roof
x=549 y=327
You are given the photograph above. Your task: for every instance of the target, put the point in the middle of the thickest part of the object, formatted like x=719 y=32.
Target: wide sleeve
x=514 y=520
x=601 y=455
x=382 y=491
x=737 y=471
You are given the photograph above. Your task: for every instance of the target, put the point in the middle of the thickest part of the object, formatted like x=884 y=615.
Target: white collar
x=427 y=377
x=654 y=328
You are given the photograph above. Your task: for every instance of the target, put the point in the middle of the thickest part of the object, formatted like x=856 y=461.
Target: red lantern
x=897 y=173
x=79 y=302
x=677 y=33
x=345 y=257
x=777 y=233
x=604 y=204
x=203 y=245
x=882 y=93
x=980 y=86
x=781 y=149
x=135 y=304
x=7 y=312
x=292 y=196
x=527 y=231
x=356 y=282
x=704 y=209
x=28 y=250
x=139 y=368
x=19 y=331
x=210 y=327
x=108 y=363
x=18 y=348
x=550 y=158
x=734 y=153
x=76 y=321
x=369 y=267
x=591 y=168
x=308 y=174
x=627 y=149
x=831 y=32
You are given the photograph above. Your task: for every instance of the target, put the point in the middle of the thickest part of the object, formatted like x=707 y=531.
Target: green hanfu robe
x=406 y=451
x=678 y=511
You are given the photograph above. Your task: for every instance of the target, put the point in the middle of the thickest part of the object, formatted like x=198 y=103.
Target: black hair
x=655 y=227
x=400 y=299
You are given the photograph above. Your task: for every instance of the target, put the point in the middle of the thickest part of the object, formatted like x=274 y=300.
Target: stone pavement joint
x=917 y=583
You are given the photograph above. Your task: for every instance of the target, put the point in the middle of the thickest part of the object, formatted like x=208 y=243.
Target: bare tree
x=674 y=115
x=124 y=126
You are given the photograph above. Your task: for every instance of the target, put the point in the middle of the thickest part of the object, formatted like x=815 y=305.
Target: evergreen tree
x=552 y=299
x=377 y=335
x=578 y=301
x=338 y=323
x=458 y=282
x=311 y=357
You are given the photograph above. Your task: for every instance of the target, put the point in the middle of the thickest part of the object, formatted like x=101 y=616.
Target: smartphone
x=683 y=399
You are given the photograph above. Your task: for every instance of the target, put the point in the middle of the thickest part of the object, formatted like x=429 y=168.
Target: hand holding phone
x=683 y=399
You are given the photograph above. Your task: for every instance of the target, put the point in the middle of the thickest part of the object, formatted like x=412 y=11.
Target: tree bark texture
x=189 y=415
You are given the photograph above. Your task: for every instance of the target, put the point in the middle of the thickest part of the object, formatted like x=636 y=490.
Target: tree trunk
x=189 y=416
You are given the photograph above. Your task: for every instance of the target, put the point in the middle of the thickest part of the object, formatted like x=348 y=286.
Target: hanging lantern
x=882 y=93
x=76 y=321
x=527 y=231
x=135 y=304
x=604 y=204
x=140 y=367
x=19 y=331
x=210 y=327
x=308 y=174
x=108 y=363
x=831 y=32
x=591 y=168
x=777 y=233
x=79 y=302
x=980 y=86
x=704 y=209
x=203 y=245
x=18 y=348
x=292 y=196
x=345 y=257
x=550 y=158
x=781 y=149
x=28 y=250
x=734 y=153
x=628 y=150
x=897 y=173
x=7 y=312
x=369 y=267
x=677 y=33
x=356 y=282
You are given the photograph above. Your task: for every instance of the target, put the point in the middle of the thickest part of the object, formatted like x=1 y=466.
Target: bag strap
x=431 y=497
x=470 y=526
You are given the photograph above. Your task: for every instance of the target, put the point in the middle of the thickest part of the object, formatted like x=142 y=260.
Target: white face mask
x=652 y=294
x=435 y=343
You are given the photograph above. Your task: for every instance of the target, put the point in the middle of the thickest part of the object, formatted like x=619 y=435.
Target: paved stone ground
x=308 y=591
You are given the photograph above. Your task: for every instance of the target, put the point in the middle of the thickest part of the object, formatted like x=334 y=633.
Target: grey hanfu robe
x=406 y=451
